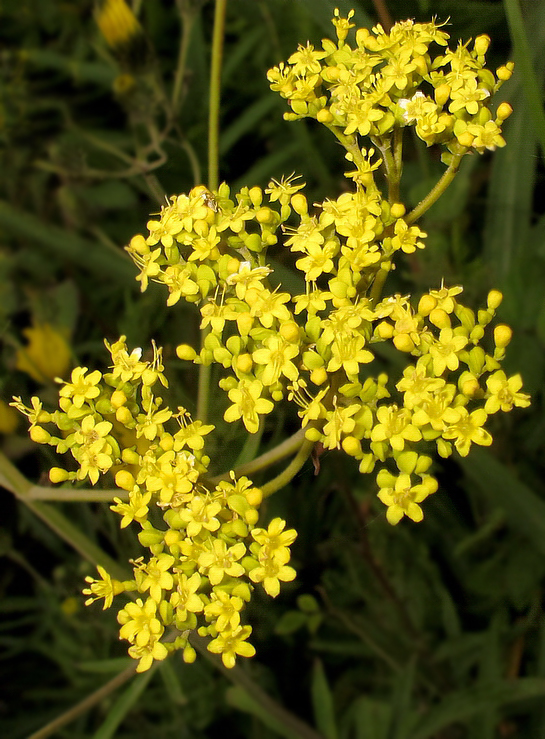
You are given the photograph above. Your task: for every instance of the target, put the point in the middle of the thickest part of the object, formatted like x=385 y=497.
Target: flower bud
x=442 y=94
x=318 y=376
x=351 y=446
x=244 y=363
x=324 y=116
x=256 y=196
x=185 y=351
x=397 y=210
x=502 y=335
x=189 y=655
x=426 y=304
x=481 y=44
x=503 y=112
x=465 y=139
x=404 y=343
x=129 y=456
x=138 y=244
x=494 y=299
x=125 y=480
x=439 y=318
x=39 y=435
x=123 y=415
x=56 y=474
x=264 y=215
x=384 y=330
x=118 y=398
x=313 y=434
x=505 y=72
x=299 y=204
x=289 y=330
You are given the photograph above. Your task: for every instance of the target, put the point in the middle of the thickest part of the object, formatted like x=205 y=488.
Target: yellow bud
x=502 y=335
x=125 y=480
x=465 y=139
x=233 y=266
x=299 y=203
x=484 y=317
x=494 y=299
x=56 y=474
x=318 y=376
x=39 y=435
x=384 y=330
x=397 y=210
x=129 y=456
x=426 y=304
x=504 y=111
x=404 y=343
x=166 y=443
x=251 y=517
x=442 y=94
x=289 y=330
x=172 y=536
x=254 y=496
x=244 y=363
x=256 y=196
x=245 y=323
x=505 y=72
x=185 y=351
x=469 y=385
x=439 y=318
x=189 y=655
x=277 y=395
x=118 y=398
x=476 y=334
x=324 y=116
x=481 y=44
x=313 y=434
x=264 y=215
x=123 y=415
x=139 y=245
x=351 y=446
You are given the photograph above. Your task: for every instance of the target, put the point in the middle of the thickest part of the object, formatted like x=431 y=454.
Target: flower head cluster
x=391 y=80
x=207 y=554
x=316 y=349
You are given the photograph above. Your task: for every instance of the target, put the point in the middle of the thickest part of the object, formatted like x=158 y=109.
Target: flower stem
x=436 y=192
x=283 y=450
x=291 y=470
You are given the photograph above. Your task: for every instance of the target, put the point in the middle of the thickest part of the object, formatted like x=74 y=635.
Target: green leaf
x=464 y=704
x=124 y=703
x=322 y=701
x=525 y=510
x=240 y=699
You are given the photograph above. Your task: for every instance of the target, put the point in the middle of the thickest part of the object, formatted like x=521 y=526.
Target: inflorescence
x=316 y=348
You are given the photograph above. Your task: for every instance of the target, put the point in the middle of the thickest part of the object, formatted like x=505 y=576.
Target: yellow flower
x=185 y=599
x=468 y=429
x=220 y=561
x=504 y=393
x=81 y=387
x=231 y=643
x=47 y=354
x=402 y=497
x=105 y=588
x=276 y=356
x=247 y=404
x=156 y=576
x=445 y=351
x=117 y=22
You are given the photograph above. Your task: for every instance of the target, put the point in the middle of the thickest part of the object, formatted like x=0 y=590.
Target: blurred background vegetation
x=419 y=631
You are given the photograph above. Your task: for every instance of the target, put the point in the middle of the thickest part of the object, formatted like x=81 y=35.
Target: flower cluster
x=392 y=80
x=208 y=552
x=316 y=349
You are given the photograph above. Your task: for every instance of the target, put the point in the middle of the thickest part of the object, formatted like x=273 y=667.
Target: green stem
x=213 y=168
x=436 y=192
x=187 y=18
x=215 y=89
x=291 y=470
x=16 y=483
x=85 y=705
x=244 y=680
x=283 y=450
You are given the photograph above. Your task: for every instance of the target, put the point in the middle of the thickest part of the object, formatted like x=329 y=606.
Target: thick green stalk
x=291 y=470
x=213 y=168
x=436 y=192
x=16 y=483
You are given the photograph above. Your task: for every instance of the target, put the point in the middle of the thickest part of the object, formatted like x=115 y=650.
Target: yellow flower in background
x=117 y=22
x=9 y=418
x=47 y=354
